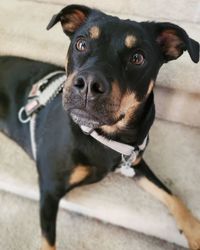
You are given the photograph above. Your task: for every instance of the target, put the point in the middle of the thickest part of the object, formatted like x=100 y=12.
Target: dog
x=98 y=120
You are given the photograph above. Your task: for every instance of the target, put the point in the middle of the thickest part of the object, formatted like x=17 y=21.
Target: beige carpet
x=20 y=230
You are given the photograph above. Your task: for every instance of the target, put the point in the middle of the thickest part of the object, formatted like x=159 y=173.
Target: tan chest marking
x=79 y=174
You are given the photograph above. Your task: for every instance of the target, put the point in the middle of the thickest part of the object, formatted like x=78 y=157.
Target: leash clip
x=20 y=116
x=126 y=164
x=128 y=160
x=25 y=113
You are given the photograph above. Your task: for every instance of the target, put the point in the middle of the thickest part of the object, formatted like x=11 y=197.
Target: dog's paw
x=192 y=233
x=194 y=243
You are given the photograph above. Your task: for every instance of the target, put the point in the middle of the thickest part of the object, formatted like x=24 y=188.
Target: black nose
x=91 y=86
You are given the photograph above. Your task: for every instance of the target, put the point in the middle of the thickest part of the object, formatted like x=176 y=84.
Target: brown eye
x=137 y=59
x=81 y=44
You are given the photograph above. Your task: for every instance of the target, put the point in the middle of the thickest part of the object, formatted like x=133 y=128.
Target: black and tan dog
x=112 y=66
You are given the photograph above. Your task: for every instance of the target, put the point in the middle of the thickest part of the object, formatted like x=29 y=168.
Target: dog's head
x=112 y=64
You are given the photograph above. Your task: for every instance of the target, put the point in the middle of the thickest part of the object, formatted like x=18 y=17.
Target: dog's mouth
x=83 y=118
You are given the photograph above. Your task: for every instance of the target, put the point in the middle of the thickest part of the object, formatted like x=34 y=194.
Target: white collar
x=119 y=147
x=128 y=153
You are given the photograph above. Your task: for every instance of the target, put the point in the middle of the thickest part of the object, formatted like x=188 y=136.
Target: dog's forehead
x=115 y=28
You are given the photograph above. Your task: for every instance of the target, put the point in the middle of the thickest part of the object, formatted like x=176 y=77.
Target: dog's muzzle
x=87 y=99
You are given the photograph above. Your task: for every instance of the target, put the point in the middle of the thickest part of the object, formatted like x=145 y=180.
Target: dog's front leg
x=49 y=202
x=185 y=221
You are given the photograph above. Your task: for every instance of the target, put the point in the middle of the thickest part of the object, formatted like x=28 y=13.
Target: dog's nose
x=90 y=86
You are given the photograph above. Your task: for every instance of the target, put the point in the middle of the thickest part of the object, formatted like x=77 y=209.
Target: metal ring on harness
x=20 y=116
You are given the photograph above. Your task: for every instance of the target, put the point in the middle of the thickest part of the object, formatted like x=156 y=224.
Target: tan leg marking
x=46 y=246
x=184 y=218
x=130 y=41
x=79 y=174
x=95 y=32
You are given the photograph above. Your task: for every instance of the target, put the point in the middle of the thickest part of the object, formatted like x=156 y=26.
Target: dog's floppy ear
x=71 y=18
x=173 y=41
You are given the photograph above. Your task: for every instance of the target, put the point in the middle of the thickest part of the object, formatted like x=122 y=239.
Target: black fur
x=61 y=144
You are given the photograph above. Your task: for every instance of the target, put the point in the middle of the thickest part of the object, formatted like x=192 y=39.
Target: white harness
x=46 y=90
x=39 y=98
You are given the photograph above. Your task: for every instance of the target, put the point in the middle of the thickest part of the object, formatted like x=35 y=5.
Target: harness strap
x=32 y=135
x=42 y=92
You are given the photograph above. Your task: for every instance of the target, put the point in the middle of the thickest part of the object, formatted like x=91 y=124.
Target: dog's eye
x=81 y=44
x=137 y=59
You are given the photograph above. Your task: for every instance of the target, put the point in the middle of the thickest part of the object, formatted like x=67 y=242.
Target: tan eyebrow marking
x=95 y=32
x=130 y=41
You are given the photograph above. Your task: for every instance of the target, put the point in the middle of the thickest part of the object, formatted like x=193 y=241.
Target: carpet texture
x=20 y=230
